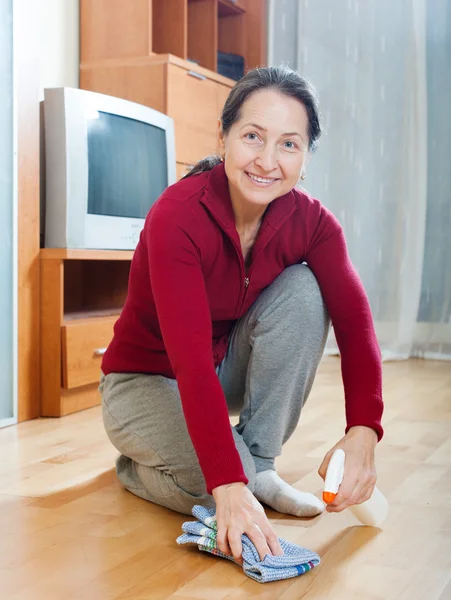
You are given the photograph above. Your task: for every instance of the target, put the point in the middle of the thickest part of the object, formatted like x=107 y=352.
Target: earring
x=303 y=176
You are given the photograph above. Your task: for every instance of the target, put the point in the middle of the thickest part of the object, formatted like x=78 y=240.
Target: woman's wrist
x=364 y=432
x=227 y=486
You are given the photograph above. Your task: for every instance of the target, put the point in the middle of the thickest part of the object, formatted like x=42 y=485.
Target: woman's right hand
x=238 y=512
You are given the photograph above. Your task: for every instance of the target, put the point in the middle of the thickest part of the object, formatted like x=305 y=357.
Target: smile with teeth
x=261 y=180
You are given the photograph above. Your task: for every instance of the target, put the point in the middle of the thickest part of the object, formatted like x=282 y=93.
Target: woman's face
x=265 y=151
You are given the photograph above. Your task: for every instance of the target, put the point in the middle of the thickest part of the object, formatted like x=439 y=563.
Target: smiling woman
x=266 y=150
x=264 y=161
x=268 y=125
x=221 y=311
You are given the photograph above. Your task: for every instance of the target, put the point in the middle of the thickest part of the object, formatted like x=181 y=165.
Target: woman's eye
x=252 y=137
x=290 y=145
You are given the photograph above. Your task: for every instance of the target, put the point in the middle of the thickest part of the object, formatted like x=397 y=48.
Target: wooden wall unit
x=160 y=76
x=137 y=50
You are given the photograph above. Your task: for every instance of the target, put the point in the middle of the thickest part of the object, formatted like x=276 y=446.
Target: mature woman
x=231 y=288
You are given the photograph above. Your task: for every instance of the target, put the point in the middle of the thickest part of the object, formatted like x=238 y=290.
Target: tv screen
x=127 y=165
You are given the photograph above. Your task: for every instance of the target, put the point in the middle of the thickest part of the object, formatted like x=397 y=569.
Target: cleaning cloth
x=295 y=561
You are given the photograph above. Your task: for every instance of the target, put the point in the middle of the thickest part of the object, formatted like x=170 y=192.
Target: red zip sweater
x=188 y=286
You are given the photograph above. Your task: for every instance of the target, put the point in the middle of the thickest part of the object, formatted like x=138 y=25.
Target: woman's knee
x=297 y=295
x=301 y=284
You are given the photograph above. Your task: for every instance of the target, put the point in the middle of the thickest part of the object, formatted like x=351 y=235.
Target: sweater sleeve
x=185 y=320
x=352 y=320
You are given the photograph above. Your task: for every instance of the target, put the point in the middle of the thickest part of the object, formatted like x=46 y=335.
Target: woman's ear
x=221 y=144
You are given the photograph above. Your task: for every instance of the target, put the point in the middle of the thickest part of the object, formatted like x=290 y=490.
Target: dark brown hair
x=281 y=79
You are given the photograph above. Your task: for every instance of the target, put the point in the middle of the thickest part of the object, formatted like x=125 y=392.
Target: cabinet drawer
x=192 y=102
x=83 y=344
x=222 y=93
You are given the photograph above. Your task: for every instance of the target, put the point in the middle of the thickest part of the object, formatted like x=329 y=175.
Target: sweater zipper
x=246 y=286
x=239 y=254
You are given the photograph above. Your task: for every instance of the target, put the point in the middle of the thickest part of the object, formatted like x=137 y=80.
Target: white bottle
x=372 y=512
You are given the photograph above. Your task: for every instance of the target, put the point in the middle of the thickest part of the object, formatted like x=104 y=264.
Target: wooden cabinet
x=189 y=29
x=82 y=293
x=192 y=96
x=193 y=104
x=222 y=92
x=163 y=54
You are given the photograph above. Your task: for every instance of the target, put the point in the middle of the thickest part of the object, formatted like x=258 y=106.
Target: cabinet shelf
x=227 y=8
x=88 y=315
x=77 y=254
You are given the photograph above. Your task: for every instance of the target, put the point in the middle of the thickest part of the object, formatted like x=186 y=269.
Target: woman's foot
x=284 y=498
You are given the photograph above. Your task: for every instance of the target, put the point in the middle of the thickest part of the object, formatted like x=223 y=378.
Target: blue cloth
x=295 y=560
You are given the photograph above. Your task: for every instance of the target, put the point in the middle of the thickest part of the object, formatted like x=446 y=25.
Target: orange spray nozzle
x=328 y=497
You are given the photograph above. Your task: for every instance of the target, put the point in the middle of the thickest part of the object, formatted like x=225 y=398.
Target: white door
x=8 y=221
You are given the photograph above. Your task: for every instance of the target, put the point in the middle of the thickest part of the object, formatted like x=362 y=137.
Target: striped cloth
x=295 y=560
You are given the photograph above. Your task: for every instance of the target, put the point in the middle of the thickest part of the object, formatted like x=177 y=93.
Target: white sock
x=284 y=498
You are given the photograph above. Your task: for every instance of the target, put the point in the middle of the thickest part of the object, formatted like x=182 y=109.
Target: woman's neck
x=247 y=216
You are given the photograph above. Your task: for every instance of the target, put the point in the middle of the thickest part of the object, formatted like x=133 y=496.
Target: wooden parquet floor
x=68 y=531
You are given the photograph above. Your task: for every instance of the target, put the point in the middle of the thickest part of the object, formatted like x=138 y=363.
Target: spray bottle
x=371 y=512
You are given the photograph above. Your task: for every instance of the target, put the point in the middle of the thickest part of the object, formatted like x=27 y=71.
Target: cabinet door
x=222 y=93
x=192 y=103
x=141 y=82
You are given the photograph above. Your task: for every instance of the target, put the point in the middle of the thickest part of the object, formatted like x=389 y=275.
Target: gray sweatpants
x=267 y=374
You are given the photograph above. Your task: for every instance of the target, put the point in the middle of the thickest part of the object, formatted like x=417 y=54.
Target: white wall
x=60 y=53
x=59 y=60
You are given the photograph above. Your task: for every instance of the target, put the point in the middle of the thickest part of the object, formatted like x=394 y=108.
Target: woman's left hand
x=360 y=470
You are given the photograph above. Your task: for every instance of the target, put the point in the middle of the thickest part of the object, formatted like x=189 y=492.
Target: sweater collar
x=216 y=198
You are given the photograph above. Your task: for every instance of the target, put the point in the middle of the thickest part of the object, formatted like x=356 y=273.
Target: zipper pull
x=246 y=282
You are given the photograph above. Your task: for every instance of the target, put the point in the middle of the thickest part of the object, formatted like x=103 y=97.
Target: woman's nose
x=267 y=159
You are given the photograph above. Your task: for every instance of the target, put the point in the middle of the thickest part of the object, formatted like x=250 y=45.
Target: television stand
x=82 y=295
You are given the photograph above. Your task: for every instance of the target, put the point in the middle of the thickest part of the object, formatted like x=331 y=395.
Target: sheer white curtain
x=382 y=72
